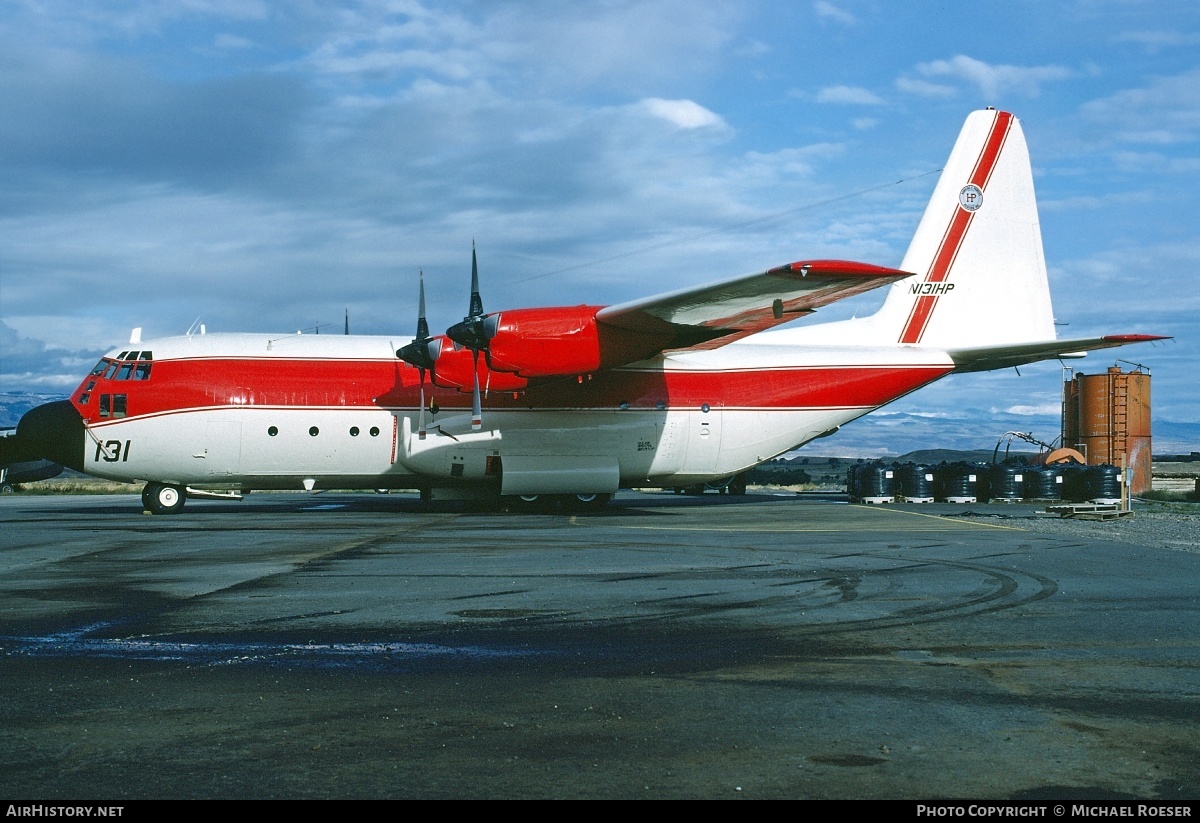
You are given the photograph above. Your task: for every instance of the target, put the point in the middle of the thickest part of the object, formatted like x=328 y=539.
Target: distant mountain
x=890 y=435
x=15 y=404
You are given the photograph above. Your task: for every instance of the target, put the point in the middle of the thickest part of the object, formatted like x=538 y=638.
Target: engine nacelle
x=551 y=342
x=565 y=341
x=455 y=366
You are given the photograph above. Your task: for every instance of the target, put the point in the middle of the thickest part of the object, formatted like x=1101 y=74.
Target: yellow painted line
x=965 y=526
x=954 y=525
x=941 y=517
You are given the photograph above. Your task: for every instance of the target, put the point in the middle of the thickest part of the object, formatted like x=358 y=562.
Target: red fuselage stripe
x=276 y=383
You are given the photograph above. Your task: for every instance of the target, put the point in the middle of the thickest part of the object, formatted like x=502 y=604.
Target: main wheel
x=526 y=502
x=586 y=502
x=163 y=498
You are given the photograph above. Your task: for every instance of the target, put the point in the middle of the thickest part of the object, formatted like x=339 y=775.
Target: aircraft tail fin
x=980 y=272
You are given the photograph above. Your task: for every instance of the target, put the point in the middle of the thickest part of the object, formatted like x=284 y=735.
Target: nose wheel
x=163 y=498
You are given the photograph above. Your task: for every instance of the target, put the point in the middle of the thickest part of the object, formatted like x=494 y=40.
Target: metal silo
x=1107 y=418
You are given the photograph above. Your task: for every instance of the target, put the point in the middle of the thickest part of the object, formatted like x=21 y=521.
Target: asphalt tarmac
x=353 y=646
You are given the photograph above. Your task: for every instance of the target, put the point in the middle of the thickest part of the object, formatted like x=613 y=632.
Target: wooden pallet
x=1089 y=511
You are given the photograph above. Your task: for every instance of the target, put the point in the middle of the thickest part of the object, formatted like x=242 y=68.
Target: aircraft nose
x=54 y=432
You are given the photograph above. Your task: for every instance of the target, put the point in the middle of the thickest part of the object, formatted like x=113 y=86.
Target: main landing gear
x=568 y=502
x=163 y=498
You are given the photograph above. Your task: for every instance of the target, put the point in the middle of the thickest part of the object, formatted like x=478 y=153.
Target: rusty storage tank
x=1107 y=416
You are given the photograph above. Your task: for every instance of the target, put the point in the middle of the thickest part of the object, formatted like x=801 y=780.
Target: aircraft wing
x=709 y=316
x=1002 y=357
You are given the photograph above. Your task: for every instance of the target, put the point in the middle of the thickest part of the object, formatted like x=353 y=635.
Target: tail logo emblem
x=971 y=197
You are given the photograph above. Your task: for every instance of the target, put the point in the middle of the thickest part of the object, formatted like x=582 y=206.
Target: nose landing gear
x=163 y=498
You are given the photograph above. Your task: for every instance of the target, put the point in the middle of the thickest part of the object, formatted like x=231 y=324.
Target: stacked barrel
x=879 y=482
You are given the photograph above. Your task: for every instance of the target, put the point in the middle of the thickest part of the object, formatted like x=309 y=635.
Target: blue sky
x=266 y=166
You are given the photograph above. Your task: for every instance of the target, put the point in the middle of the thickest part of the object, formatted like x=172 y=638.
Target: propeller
x=473 y=333
x=422 y=352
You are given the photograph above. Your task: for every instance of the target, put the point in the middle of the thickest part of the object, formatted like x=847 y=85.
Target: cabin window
x=273 y=431
x=84 y=398
x=354 y=431
x=374 y=431
x=313 y=431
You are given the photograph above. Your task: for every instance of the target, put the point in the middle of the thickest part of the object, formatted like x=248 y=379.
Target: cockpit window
x=122 y=355
x=146 y=355
x=100 y=367
x=125 y=370
x=142 y=372
x=112 y=369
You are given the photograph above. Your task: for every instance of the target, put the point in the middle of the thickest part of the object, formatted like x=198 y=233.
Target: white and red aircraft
x=672 y=390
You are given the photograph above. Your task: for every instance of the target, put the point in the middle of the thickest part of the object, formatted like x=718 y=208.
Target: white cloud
x=994 y=80
x=828 y=11
x=1025 y=410
x=682 y=113
x=231 y=41
x=1165 y=111
x=1154 y=41
x=923 y=88
x=854 y=95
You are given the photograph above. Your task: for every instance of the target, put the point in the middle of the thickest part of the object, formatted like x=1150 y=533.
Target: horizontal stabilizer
x=1003 y=357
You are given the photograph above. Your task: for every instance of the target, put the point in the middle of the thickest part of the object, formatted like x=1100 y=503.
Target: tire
x=163 y=498
x=528 y=502
x=586 y=502
x=7 y=488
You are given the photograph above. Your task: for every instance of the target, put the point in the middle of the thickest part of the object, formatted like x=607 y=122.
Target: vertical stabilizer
x=977 y=253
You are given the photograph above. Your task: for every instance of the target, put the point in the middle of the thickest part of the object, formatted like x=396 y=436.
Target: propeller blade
x=476 y=307
x=476 y=329
x=422 y=324
x=421 y=414
x=476 y=405
x=422 y=352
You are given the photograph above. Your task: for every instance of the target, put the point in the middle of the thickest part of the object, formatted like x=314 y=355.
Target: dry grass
x=78 y=485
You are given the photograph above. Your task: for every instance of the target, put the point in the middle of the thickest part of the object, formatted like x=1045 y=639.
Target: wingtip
x=1136 y=338
x=836 y=268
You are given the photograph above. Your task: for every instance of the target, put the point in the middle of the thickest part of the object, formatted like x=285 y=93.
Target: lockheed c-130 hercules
x=667 y=391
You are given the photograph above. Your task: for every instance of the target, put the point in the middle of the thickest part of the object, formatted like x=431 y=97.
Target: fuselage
x=311 y=411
